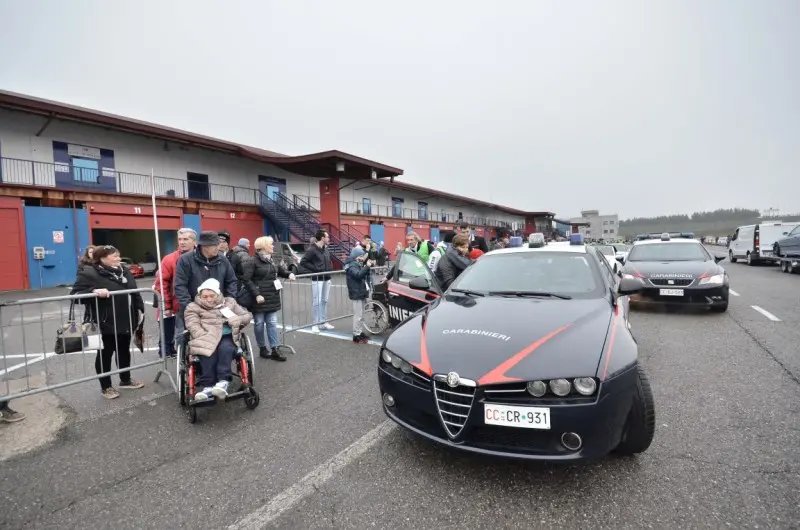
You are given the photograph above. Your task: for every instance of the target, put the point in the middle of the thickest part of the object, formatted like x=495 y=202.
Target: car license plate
x=670 y=292
x=511 y=416
x=766 y=253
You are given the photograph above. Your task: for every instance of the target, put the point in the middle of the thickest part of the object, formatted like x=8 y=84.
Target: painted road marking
x=766 y=313
x=39 y=357
x=331 y=334
x=309 y=484
x=734 y=293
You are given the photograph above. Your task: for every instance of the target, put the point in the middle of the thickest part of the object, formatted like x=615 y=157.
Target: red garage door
x=13 y=259
x=237 y=224
x=423 y=231
x=394 y=233
x=124 y=217
x=356 y=227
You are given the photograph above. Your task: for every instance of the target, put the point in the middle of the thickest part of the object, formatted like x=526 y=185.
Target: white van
x=753 y=243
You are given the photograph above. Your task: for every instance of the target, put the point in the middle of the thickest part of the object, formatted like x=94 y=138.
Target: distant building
x=594 y=226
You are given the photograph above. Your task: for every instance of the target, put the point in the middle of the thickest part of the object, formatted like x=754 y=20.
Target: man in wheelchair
x=215 y=325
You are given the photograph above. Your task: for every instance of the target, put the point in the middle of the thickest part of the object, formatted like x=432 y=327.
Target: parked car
x=136 y=270
x=789 y=245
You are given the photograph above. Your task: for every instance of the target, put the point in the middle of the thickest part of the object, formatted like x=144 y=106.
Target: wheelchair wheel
x=252 y=401
x=192 y=414
x=376 y=317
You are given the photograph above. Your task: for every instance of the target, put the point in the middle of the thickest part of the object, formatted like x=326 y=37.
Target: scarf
x=116 y=274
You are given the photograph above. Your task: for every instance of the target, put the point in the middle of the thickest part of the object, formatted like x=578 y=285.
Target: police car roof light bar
x=576 y=239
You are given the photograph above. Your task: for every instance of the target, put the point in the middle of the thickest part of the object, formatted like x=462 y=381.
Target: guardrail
x=63 y=333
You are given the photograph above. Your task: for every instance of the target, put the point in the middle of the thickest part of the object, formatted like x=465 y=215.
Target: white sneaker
x=220 y=390
x=314 y=329
x=203 y=395
x=327 y=325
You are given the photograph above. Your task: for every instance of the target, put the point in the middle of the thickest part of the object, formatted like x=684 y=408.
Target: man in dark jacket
x=195 y=267
x=454 y=261
x=474 y=241
x=237 y=256
x=317 y=260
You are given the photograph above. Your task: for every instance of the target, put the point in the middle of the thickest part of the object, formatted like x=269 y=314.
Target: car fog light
x=405 y=367
x=396 y=362
x=585 y=385
x=388 y=400
x=387 y=357
x=537 y=388
x=560 y=387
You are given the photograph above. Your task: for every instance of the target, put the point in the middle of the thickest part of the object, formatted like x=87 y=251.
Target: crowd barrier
x=56 y=335
x=297 y=303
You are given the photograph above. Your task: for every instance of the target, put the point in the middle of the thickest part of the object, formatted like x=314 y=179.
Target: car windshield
x=606 y=250
x=540 y=273
x=668 y=252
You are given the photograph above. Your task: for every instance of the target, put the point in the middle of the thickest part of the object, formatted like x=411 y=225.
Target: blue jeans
x=319 y=301
x=218 y=366
x=267 y=322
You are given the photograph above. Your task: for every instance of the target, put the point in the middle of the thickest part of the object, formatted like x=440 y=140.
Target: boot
x=277 y=355
x=263 y=352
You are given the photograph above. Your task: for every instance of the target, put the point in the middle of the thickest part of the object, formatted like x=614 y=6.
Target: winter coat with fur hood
x=205 y=324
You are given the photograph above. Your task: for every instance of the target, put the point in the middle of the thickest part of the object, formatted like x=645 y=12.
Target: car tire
x=730 y=257
x=641 y=425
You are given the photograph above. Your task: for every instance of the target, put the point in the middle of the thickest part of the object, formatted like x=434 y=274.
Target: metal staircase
x=303 y=225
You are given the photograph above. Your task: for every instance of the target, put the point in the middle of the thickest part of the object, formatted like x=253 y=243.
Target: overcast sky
x=631 y=107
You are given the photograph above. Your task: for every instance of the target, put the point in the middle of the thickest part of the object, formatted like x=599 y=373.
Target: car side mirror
x=717 y=259
x=628 y=286
x=420 y=283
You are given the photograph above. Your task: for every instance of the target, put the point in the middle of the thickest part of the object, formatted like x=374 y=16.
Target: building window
x=610 y=230
x=85 y=170
x=366 y=206
x=397 y=207
x=423 y=210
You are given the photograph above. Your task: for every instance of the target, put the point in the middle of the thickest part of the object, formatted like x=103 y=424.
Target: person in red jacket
x=187 y=240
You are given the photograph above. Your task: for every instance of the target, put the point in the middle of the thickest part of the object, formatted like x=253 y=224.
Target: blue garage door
x=377 y=233
x=435 y=234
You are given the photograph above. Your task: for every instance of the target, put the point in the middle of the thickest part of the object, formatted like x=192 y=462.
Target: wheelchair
x=188 y=371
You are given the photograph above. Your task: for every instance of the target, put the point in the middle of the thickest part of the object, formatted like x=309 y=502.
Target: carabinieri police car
x=527 y=355
x=676 y=271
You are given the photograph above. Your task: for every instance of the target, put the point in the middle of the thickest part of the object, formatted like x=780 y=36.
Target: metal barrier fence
x=63 y=333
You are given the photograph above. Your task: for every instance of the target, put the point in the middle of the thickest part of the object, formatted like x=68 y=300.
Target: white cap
x=211 y=284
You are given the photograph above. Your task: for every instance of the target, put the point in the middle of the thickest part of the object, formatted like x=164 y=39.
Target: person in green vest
x=421 y=248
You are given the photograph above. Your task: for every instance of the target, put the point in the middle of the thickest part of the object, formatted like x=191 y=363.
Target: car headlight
x=585 y=385
x=626 y=276
x=398 y=363
x=717 y=279
x=537 y=388
x=560 y=387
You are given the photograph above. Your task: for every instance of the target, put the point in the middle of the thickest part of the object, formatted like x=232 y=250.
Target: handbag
x=245 y=298
x=72 y=337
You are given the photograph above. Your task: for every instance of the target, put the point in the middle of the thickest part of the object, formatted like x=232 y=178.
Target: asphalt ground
x=319 y=453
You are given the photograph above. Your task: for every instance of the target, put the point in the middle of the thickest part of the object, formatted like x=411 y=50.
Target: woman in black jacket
x=260 y=276
x=117 y=316
x=454 y=261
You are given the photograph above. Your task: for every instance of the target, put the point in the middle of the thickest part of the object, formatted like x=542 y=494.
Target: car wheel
x=641 y=425
x=776 y=251
x=730 y=257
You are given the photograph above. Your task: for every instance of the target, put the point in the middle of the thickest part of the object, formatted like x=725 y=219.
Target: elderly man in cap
x=198 y=265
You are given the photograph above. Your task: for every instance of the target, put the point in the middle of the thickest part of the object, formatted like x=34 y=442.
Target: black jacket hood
x=498 y=339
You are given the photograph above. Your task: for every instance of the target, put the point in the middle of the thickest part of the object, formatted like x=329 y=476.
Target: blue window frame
x=397 y=207
x=366 y=206
x=85 y=170
x=423 y=210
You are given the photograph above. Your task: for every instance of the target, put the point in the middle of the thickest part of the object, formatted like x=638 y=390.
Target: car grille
x=676 y=282
x=454 y=405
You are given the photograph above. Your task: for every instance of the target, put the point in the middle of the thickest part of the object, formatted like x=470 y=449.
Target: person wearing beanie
x=357 y=271
x=215 y=325
x=238 y=255
x=195 y=267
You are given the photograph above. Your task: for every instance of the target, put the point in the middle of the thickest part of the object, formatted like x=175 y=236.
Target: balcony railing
x=65 y=176
x=416 y=214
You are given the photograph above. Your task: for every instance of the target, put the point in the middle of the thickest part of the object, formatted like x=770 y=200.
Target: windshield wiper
x=530 y=293
x=467 y=292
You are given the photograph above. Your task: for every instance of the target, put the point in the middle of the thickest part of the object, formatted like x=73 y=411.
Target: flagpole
x=158 y=244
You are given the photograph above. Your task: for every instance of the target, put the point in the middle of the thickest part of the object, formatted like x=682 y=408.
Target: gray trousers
x=358 y=316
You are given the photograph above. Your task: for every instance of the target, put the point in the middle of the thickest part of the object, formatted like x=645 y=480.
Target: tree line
x=720 y=222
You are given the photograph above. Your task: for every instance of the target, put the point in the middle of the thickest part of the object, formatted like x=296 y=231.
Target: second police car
x=677 y=271
x=528 y=354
